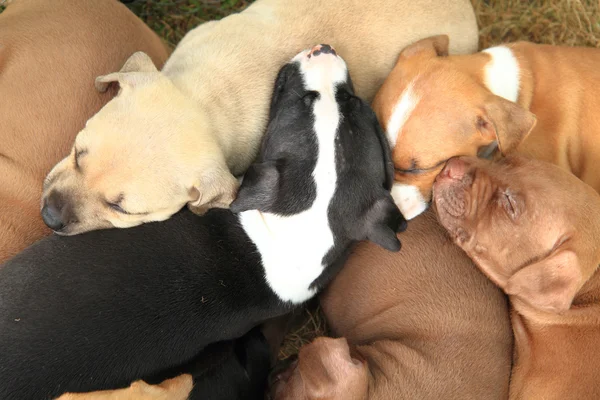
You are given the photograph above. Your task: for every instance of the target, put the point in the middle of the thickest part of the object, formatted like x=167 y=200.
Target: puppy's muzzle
x=322 y=49
x=55 y=212
x=452 y=185
x=455 y=169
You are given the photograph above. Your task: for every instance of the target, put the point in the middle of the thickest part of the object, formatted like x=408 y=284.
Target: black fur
x=105 y=308
x=230 y=370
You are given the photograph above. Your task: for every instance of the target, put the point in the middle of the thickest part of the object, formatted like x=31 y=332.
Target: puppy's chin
x=78 y=228
x=71 y=231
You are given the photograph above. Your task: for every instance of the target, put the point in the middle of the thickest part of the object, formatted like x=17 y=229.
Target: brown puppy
x=534 y=230
x=50 y=54
x=422 y=324
x=435 y=106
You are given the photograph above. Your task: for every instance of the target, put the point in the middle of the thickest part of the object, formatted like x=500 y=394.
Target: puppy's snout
x=322 y=49
x=456 y=168
x=53 y=211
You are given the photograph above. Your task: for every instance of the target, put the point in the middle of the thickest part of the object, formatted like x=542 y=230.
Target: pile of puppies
x=192 y=304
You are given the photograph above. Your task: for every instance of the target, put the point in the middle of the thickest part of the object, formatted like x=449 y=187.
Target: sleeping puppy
x=50 y=53
x=422 y=324
x=104 y=309
x=178 y=136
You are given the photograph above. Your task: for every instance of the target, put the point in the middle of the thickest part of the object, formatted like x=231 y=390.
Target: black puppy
x=100 y=310
x=230 y=370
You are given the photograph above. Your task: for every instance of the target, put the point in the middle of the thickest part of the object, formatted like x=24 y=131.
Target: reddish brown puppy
x=50 y=54
x=423 y=323
x=534 y=230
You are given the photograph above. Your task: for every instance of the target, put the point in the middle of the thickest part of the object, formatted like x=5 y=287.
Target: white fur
x=292 y=247
x=402 y=110
x=502 y=73
x=409 y=200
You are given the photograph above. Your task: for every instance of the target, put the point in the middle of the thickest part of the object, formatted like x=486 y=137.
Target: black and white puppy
x=103 y=309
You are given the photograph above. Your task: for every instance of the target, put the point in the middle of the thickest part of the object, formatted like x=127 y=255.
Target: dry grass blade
x=312 y=326
x=564 y=22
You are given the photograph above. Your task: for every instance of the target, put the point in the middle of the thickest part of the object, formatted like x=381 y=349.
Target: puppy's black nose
x=51 y=217
x=52 y=212
x=322 y=49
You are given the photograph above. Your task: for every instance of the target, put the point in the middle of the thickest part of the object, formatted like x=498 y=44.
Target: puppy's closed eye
x=511 y=203
x=116 y=204
x=310 y=97
x=116 y=207
x=343 y=95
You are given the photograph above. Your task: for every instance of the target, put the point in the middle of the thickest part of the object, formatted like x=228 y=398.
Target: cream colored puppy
x=180 y=135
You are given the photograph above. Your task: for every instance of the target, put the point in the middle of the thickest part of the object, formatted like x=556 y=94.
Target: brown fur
x=533 y=229
x=422 y=324
x=50 y=54
x=457 y=114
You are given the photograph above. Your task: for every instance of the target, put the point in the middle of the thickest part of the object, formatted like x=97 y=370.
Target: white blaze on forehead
x=292 y=248
x=401 y=113
x=502 y=74
x=409 y=200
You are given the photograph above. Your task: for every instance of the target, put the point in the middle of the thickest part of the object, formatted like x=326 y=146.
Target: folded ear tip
x=402 y=224
x=395 y=247
x=100 y=85
x=235 y=208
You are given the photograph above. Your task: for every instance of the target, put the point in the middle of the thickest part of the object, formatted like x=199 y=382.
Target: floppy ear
x=550 y=284
x=280 y=81
x=505 y=122
x=138 y=62
x=259 y=188
x=216 y=189
x=382 y=221
x=387 y=152
x=433 y=46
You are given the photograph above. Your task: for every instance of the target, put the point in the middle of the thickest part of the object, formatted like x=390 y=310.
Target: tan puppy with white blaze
x=180 y=135
x=434 y=106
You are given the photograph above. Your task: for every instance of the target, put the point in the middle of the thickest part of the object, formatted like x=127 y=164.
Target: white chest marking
x=402 y=110
x=292 y=248
x=502 y=74
x=409 y=200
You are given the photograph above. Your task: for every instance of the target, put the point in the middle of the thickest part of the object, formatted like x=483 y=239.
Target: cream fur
x=221 y=75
